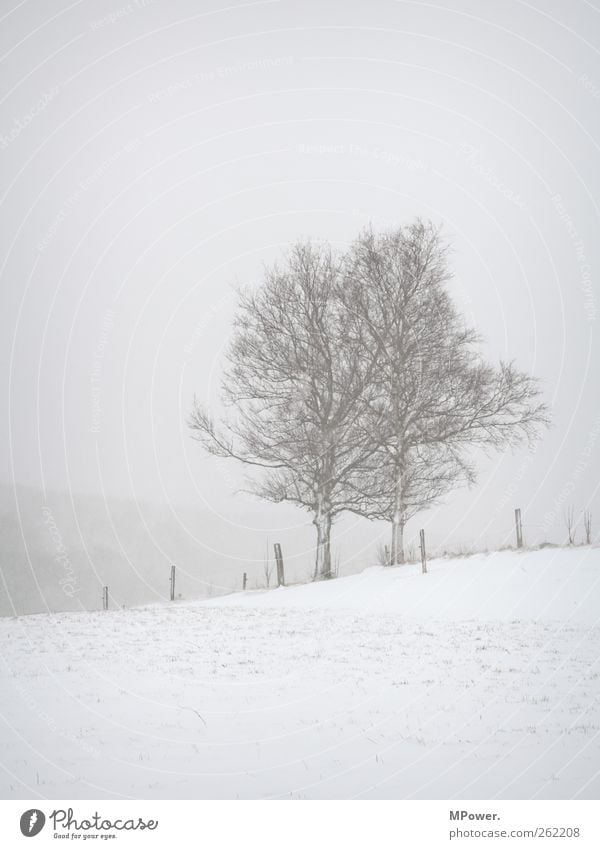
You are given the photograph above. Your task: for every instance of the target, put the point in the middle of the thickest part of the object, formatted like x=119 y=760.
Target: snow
x=477 y=680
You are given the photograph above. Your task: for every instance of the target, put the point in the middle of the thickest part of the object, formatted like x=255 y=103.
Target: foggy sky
x=157 y=154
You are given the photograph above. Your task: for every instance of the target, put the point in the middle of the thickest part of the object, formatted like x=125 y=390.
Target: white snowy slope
x=477 y=680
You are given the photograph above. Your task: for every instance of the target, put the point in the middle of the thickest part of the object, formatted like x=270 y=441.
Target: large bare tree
x=355 y=385
x=435 y=396
x=299 y=377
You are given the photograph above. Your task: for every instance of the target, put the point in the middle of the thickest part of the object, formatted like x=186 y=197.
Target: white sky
x=156 y=153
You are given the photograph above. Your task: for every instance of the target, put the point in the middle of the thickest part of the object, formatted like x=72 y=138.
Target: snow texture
x=477 y=680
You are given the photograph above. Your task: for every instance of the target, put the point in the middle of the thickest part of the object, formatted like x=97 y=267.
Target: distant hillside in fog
x=56 y=553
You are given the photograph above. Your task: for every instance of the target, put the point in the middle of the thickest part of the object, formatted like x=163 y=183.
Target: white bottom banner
x=290 y=824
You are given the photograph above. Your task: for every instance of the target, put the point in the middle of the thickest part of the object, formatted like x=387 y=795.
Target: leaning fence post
x=173 y=583
x=423 y=552
x=105 y=598
x=279 y=560
x=519 y=527
x=244 y=580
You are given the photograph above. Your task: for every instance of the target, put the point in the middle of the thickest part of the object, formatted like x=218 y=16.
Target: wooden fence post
x=105 y=598
x=519 y=527
x=423 y=552
x=279 y=561
x=244 y=581
x=173 y=583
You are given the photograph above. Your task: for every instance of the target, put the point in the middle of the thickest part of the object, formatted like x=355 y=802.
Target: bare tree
x=268 y=572
x=435 y=396
x=356 y=387
x=587 y=524
x=299 y=380
x=569 y=524
x=267 y=568
x=382 y=554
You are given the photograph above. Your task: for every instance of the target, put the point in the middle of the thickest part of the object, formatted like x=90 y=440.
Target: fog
x=156 y=155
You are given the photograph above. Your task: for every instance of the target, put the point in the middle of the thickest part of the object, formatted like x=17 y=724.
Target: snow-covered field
x=478 y=680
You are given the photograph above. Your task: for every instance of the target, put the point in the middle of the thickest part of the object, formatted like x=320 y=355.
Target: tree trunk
x=397 y=554
x=322 y=522
x=398 y=521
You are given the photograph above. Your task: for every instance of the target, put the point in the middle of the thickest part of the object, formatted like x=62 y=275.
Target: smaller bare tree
x=435 y=397
x=569 y=524
x=383 y=554
x=587 y=524
x=268 y=572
